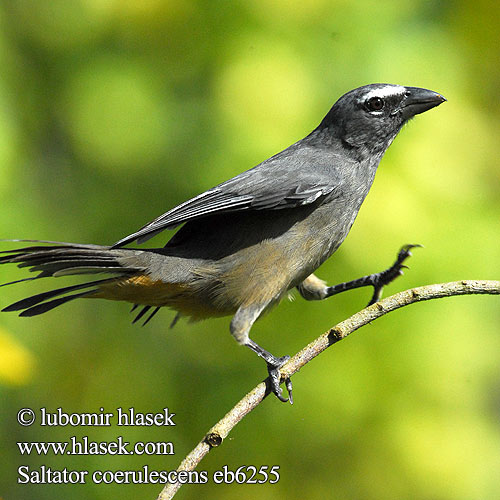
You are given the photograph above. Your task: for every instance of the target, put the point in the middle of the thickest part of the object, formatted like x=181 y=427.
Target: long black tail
x=61 y=259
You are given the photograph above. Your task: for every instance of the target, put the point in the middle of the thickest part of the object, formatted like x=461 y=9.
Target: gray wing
x=283 y=181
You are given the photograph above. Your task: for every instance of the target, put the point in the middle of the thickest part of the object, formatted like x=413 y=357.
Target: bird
x=245 y=243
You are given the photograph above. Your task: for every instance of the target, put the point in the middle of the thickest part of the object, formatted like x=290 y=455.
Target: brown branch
x=221 y=429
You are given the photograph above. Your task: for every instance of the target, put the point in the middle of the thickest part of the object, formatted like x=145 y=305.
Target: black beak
x=420 y=100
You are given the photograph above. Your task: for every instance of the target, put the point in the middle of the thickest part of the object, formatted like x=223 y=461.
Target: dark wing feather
x=287 y=180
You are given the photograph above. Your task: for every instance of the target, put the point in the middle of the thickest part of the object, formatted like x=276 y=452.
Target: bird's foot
x=379 y=280
x=274 y=379
x=273 y=367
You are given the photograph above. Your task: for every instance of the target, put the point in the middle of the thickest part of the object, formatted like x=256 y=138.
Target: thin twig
x=221 y=429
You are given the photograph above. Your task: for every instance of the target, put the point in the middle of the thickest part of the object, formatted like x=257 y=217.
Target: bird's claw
x=275 y=379
x=405 y=252
x=385 y=277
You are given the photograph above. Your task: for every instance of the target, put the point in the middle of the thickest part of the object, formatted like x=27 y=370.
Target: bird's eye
x=374 y=104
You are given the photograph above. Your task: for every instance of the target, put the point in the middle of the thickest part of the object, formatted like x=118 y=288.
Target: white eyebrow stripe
x=386 y=91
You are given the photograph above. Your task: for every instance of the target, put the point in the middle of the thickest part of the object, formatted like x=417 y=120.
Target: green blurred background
x=113 y=111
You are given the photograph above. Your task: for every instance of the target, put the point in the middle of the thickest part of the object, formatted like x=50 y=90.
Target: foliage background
x=113 y=111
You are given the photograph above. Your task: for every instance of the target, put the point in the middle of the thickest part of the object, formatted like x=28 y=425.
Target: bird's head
x=369 y=118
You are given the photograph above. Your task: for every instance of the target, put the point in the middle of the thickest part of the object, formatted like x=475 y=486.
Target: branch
x=221 y=429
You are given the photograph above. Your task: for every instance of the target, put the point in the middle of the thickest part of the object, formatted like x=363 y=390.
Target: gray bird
x=246 y=242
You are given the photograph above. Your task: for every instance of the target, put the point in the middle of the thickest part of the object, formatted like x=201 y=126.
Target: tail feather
x=34 y=258
x=142 y=312
x=59 y=265
x=61 y=259
x=27 y=254
x=48 y=244
x=42 y=297
x=65 y=256
x=87 y=270
x=150 y=317
x=34 y=255
x=47 y=306
x=19 y=281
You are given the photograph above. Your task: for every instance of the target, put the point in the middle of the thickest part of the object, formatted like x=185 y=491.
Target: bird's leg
x=240 y=328
x=314 y=289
